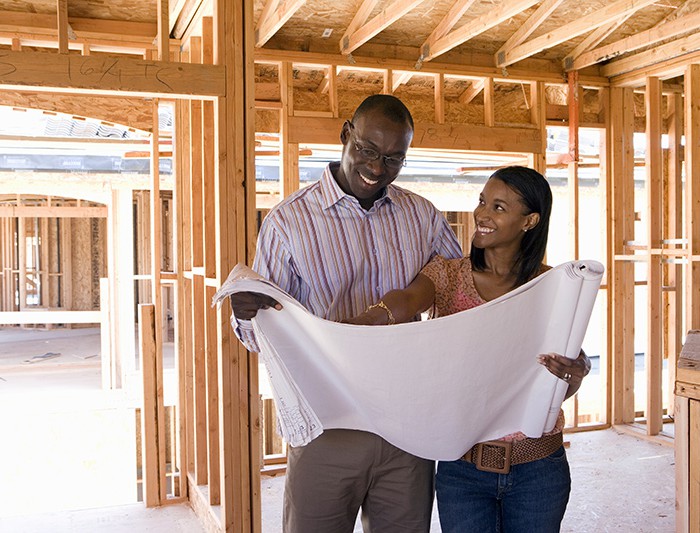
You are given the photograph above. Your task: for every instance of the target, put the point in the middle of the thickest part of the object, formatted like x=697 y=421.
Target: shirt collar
x=332 y=193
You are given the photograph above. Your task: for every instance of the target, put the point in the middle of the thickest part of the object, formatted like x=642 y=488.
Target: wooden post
x=289 y=151
x=439 y=98
x=673 y=225
x=22 y=256
x=574 y=103
x=654 y=351
x=163 y=36
x=692 y=195
x=152 y=394
x=156 y=298
x=489 y=104
x=538 y=117
x=62 y=20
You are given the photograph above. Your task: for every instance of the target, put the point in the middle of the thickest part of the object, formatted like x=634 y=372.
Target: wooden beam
x=275 y=14
x=567 y=32
x=477 y=26
x=547 y=71
x=489 y=103
x=592 y=40
x=181 y=18
x=107 y=75
x=679 y=47
x=654 y=166
x=472 y=91
x=400 y=79
x=163 y=37
x=52 y=211
x=545 y=9
x=651 y=36
x=361 y=16
x=381 y=21
x=431 y=136
x=458 y=9
x=62 y=23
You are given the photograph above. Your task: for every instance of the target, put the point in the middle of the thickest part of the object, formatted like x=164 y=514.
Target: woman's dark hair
x=536 y=196
x=389 y=105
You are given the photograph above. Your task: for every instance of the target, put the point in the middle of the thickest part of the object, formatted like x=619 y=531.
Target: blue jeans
x=532 y=497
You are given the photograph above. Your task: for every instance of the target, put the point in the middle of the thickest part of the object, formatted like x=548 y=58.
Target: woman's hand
x=570 y=370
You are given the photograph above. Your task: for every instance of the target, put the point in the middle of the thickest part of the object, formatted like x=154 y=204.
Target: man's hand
x=245 y=305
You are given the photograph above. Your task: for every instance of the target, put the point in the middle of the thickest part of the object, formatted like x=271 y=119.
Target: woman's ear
x=532 y=220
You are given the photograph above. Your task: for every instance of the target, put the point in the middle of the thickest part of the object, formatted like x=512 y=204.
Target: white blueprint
x=433 y=388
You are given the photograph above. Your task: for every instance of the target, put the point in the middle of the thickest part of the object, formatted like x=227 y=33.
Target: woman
x=515 y=483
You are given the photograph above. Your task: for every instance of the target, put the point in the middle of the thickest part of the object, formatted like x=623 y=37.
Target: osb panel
x=267 y=121
x=131 y=10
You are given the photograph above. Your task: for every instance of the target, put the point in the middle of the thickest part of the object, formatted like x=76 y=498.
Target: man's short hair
x=389 y=105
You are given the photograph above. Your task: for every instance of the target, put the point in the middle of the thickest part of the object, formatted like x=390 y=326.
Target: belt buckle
x=502 y=448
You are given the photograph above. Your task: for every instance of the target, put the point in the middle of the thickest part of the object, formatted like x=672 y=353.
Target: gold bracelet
x=389 y=314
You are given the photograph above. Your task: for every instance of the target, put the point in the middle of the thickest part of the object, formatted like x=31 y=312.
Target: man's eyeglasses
x=372 y=155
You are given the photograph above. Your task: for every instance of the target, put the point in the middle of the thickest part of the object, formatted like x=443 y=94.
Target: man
x=337 y=246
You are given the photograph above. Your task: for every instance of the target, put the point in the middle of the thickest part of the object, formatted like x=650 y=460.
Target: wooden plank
x=472 y=91
x=692 y=194
x=657 y=34
x=538 y=117
x=62 y=25
x=275 y=14
x=606 y=170
x=673 y=221
x=654 y=350
x=22 y=261
x=44 y=267
x=289 y=150
x=533 y=22
x=149 y=411
x=591 y=40
x=438 y=136
x=108 y=75
x=573 y=98
x=200 y=382
x=163 y=36
x=496 y=16
x=208 y=161
x=566 y=32
x=376 y=25
x=134 y=112
x=489 y=103
x=211 y=343
x=694 y=466
x=458 y=9
x=156 y=240
x=544 y=71
x=439 y=98
x=659 y=54
x=682 y=462
x=333 y=90
x=66 y=263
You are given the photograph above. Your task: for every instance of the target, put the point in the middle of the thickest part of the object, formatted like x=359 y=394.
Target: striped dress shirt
x=334 y=257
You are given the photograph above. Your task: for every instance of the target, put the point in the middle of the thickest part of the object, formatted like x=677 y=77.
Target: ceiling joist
x=455 y=13
x=593 y=39
x=531 y=24
x=649 y=37
x=567 y=32
x=377 y=24
x=274 y=15
x=475 y=27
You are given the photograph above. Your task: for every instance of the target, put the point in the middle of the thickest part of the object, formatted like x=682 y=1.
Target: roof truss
x=274 y=15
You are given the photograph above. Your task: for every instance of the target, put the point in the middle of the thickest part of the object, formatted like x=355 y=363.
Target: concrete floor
x=620 y=482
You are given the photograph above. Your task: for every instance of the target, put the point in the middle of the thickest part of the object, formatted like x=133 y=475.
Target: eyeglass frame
x=373 y=155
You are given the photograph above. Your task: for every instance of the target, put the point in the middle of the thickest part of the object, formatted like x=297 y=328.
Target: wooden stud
x=489 y=103
x=654 y=350
x=694 y=467
x=62 y=20
x=439 y=98
x=692 y=194
x=574 y=105
x=538 y=117
x=682 y=462
x=289 y=151
x=673 y=226
x=150 y=454
x=163 y=37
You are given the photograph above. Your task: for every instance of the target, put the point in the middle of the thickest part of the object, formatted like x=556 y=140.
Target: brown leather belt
x=498 y=455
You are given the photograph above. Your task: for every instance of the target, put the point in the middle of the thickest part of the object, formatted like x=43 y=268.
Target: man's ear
x=345 y=132
x=532 y=220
